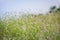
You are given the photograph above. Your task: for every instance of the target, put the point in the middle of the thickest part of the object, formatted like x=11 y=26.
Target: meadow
x=31 y=27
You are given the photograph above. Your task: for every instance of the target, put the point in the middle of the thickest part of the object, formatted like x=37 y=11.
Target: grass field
x=31 y=27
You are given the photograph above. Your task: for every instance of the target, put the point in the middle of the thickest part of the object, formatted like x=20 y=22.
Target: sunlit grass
x=31 y=27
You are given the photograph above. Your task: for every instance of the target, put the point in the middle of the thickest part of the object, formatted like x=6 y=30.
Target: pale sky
x=27 y=5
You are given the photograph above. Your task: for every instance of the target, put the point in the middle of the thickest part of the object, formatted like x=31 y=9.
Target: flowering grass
x=31 y=27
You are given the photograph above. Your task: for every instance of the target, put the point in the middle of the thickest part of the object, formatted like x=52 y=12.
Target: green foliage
x=54 y=9
x=31 y=27
x=58 y=9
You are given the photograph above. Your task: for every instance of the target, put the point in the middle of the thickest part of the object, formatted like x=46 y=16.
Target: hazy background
x=34 y=6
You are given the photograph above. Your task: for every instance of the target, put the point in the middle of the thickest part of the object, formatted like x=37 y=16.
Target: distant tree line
x=54 y=9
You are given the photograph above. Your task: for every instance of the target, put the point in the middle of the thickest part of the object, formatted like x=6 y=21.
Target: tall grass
x=31 y=27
